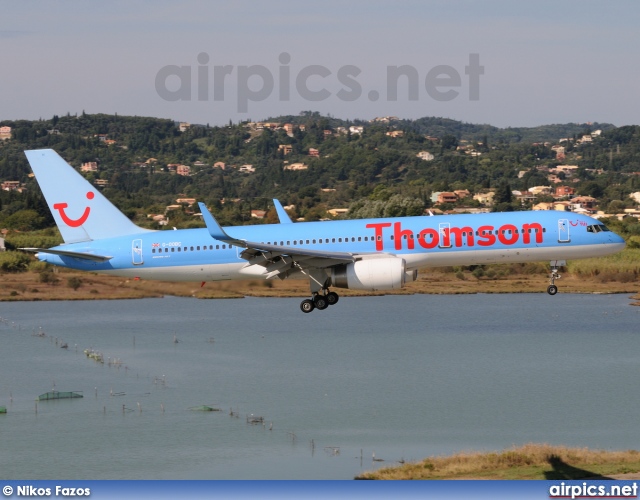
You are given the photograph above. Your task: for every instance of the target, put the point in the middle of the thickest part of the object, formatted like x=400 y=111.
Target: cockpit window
x=596 y=228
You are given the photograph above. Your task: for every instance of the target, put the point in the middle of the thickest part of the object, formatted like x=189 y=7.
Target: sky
x=500 y=62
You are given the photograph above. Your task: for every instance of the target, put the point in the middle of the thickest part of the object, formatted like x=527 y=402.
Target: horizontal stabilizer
x=75 y=255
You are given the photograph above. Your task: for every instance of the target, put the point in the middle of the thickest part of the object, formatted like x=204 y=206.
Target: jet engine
x=384 y=273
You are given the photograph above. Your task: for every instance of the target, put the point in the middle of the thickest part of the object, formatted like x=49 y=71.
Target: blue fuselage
x=193 y=255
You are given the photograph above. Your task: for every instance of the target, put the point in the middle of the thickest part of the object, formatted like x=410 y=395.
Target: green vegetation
x=370 y=171
x=74 y=282
x=14 y=262
x=531 y=461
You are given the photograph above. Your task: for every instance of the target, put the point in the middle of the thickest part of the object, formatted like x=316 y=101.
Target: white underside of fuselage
x=241 y=270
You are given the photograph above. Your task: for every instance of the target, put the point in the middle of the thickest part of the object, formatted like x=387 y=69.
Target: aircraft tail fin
x=81 y=212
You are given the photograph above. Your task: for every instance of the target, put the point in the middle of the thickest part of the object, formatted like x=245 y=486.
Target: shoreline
x=27 y=287
x=531 y=461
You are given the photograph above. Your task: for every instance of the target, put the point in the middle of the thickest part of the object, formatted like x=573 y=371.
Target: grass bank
x=74 y=285
x=618 y=273
x=531 y=461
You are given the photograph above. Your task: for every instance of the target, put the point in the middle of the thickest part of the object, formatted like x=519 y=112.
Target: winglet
x=215 y=230
x=282 y=214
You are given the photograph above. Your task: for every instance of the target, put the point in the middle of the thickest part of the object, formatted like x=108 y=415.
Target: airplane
x=362 y=254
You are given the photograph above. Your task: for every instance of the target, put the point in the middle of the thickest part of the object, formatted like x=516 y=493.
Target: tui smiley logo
x=74 y=222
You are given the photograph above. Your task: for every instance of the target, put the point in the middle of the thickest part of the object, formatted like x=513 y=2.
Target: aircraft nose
x=617 y=241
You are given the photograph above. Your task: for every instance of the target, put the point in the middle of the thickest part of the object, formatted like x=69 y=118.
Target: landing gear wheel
x=307 y=305
x=553 y=289
x=332 y=298
x=321 y=302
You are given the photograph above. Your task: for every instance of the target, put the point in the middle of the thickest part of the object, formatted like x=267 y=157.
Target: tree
x=448 y=142
x=24 y=220
x=74 y=282
x=503 y=193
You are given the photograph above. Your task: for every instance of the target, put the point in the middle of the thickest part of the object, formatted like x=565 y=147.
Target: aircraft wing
x=66 y=253
x=277 y=260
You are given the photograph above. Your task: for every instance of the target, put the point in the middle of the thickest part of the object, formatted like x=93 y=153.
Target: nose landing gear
x=552 y=289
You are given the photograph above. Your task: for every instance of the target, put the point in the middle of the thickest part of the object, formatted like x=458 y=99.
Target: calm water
x=401 y=377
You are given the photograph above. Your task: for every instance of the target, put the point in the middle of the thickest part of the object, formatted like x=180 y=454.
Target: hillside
x=317 y=163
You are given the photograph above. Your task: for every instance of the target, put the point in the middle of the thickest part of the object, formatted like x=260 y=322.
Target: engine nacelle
x=385 y=273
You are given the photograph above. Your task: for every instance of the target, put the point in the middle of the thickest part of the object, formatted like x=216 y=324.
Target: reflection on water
x=398 y=377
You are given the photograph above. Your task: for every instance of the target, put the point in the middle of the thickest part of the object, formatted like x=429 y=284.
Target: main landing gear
x=552 y=288
x=319 y=301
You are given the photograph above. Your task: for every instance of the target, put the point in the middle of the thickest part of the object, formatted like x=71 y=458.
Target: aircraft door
x=444 y=232
x=136 y=252
x=563 y=231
